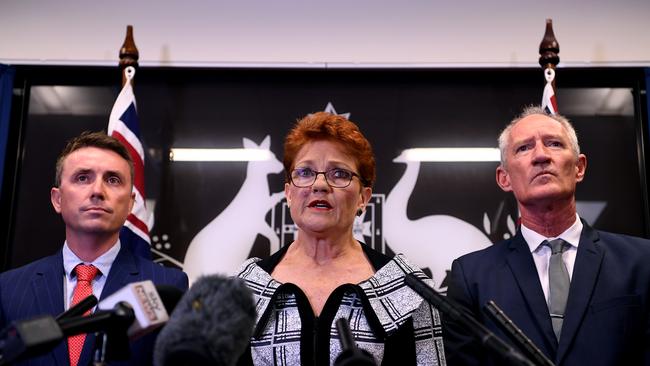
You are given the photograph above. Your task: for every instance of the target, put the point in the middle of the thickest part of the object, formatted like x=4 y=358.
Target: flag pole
x=549 y=58
x=129 y=53
x=124 y=125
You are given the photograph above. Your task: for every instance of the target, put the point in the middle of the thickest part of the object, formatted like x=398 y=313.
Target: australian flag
x=124 y=125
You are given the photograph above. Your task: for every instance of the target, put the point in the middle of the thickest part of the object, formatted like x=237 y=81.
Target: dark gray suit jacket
x=607 y=318
x=37 y=289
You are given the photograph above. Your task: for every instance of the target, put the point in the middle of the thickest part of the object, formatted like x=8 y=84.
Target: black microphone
x=29 y=338
x=488 y=339
x=211 y=325
x=135 y=309
x=516 y=335
x=351 y=355
x=151 y=305
x=117 y=319
x=79 y=308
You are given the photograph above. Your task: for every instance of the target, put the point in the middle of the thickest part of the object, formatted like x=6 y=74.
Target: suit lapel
x=585 y=274
x=48 y=288
x=123 y=271
x=48 y=285
x=523 y=268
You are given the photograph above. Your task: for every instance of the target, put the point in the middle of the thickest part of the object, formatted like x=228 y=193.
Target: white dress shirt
x=542 y=253
x=103 y=263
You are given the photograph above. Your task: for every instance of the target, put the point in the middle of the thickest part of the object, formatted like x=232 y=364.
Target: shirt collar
x=103 y=262
x=570 y=235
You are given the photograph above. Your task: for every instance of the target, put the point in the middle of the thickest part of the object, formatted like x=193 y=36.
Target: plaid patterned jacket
x=378 y=309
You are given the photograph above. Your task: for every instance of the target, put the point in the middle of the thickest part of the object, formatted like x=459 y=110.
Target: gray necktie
x=558 y=278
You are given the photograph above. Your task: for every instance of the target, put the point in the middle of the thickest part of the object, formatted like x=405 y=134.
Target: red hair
x=332 y=127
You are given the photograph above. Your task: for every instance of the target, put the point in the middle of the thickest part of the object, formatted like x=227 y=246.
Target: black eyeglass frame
x=316 y=173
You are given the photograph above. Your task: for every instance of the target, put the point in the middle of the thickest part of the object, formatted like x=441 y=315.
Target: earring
x=359 y=211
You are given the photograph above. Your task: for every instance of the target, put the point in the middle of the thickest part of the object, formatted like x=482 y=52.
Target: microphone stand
x=488 y=339
x=516 y=335
x=351 y=355
x=99 y=349
x=112 y=343
x=110 y=346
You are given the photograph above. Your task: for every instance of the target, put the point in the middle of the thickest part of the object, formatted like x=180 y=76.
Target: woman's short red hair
x=327 y=126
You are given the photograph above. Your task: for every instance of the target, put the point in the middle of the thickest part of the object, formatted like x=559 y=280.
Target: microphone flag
x=124 y=125
x=149 y=309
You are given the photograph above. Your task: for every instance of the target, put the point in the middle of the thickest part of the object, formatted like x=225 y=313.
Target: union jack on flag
x=124 y=125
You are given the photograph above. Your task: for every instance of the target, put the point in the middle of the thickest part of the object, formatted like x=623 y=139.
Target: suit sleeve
x=647 y=338
x=182 y=282
x=460 y=346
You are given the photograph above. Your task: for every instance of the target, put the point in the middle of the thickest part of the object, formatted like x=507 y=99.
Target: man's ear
x=55 y=197
x=503 y=179
x=581 y=167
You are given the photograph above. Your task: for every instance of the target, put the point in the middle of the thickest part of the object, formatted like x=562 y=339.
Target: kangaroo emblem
x=432 y=241
x=223 y=244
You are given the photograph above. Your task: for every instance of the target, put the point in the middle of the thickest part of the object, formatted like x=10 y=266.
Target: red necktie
x=84 y=288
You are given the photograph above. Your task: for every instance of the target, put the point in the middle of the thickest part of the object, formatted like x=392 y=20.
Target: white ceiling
x=318 y=33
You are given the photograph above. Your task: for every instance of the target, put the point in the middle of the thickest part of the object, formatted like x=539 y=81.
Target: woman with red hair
x=326 y=274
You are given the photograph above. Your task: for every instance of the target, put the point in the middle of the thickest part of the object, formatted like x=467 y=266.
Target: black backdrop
x=395 y=108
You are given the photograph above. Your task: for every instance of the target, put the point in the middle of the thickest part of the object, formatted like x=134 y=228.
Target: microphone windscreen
x=211 y=325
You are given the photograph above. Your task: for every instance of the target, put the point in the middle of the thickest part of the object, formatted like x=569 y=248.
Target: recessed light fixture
x=452 y=154
x=182 y=154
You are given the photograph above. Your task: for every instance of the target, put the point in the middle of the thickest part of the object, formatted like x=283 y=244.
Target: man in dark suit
x=584 y=299
x=93 y=193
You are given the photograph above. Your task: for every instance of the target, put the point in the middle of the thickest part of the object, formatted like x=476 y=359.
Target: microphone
x=34 y=336
x=79 y=308
x=480 y=332
x=211 y=325
x=150 y=313
x=116 y=314
x=516 y=335
x=351 y=355
x=28 y=338
x=150 y=307
x=117 y=319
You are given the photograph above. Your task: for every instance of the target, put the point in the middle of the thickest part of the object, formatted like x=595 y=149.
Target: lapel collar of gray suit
x=48 y=288
x=585 y=275
x=522 y=265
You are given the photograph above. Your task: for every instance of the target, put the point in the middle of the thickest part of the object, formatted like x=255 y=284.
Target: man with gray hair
x=581 y=295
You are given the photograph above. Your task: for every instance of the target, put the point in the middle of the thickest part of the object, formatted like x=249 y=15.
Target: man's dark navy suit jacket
x=607 y=318
x=37 y=289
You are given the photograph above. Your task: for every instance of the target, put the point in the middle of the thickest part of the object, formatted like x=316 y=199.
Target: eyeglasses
x=336 y=178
